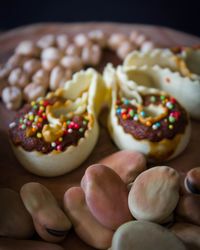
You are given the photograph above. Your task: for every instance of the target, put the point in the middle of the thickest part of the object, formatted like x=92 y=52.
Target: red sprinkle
x=59 y=147
x=45 y=103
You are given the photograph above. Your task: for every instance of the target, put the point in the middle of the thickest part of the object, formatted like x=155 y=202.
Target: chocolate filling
x=57 y=233
x=141 y=131
x=31 y=143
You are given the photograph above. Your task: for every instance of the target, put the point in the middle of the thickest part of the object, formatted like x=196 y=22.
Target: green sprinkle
x=68 y=122
x=23 y=126
x=20 y=120
x=81 y=130
x=172 y=119
x=153 y=99
x=131 y=113
x=162 y=97
x=84 y=122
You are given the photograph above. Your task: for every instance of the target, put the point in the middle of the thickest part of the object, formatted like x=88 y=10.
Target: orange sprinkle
x=148 y=123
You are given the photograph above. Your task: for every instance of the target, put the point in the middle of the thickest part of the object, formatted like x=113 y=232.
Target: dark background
x=182 y=15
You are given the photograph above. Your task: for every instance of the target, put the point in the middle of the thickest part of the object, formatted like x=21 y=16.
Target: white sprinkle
x=70 y=130
x=12 y=124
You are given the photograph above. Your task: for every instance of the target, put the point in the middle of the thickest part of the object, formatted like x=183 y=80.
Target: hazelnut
x=12 y=97
x=18 y=77
x=27 y=48
x=41 y=77
x=91 y=55
x=147 y=46
x=73 y=63
x=62 y=41
x=58 y=77
x=33 y=90
x=15 y=61
x=48 y=65
x=73 y=50
x=51 y=53
x=4 y=72
x=115 y=40
x=46 y=41
x=81 y=40
x=124 y=49
x=31 y=66
x=98 y=36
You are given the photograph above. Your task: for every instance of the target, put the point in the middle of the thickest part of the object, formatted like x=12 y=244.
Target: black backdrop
x=183 y=15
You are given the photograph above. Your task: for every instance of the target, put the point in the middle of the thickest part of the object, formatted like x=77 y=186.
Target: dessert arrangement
x=129 y=199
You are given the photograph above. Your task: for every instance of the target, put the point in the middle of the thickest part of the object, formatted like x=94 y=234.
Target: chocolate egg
x=50 y=221
x=192 y=181
x=188 y=209
x=154 y=194
x=128 y=164
x=143 y=235
x=85 y=225
x=15 y=221
x=106 y=196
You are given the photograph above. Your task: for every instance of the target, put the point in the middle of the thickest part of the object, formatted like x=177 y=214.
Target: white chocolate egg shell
x=154 y=150
x=57 y=163
x=178 y=75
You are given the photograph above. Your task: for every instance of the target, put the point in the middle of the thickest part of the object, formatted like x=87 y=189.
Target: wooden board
x=13 y=175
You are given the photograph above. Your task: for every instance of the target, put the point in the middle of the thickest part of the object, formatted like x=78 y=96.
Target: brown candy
x=10 y=244
x=154 y=194
x=188 y=209
x=50 y=221
x=15 y=221
x=192 y=181
x=85 y=225
x=188 y=233
x=106 y=196
x=127 y=164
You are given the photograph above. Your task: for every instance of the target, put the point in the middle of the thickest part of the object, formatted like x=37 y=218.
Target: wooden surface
x=13 y=175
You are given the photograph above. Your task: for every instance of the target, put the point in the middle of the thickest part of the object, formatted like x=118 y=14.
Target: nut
x=147 y=46
x=100 y=183
x=41 y=77
x=91 y=55
x=140 y=39
x=50 y=221
x=46 y=41
x=15 y=220
x=127 y=164
x=12 y=97
x=124 y=49
x=85 y=225
x=51 y=53
x=115 y=40
x=62 y=41
x=15 y=61
x=27 y=48
x=154 y=204
x=33 y=90
x=58 y=77
x=48 y=65
x=81 y=40
x=73 y=50
x=98 y=36
x=73 y=63
x=4 y=72
x=31 y=66
x=18 y=78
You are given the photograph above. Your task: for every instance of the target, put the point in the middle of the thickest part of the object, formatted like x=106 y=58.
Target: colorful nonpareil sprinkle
x=127 y=111
x=34 y=120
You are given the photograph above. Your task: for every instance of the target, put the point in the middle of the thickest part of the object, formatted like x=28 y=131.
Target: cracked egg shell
x=56 y=162
x=140 y=120
x=177 y=74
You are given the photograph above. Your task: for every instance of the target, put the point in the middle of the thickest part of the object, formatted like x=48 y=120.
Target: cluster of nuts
x=47 y=64
x=111 y=202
